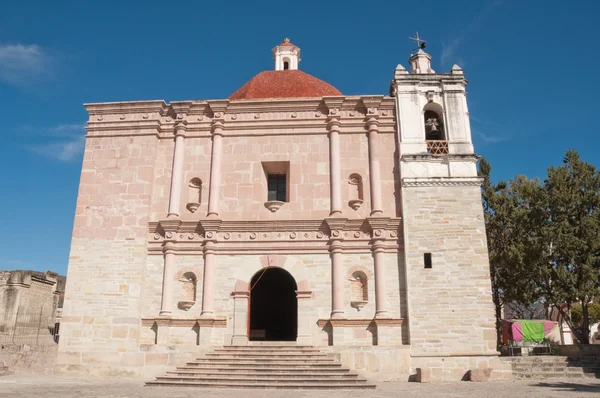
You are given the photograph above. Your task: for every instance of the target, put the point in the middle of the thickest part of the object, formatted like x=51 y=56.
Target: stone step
x=259 y=379
x=334 y=367
x=263 y=354
x=273 y=375
x=263 y=385
x=266 y=351
x=259 y=360
x=264 y=365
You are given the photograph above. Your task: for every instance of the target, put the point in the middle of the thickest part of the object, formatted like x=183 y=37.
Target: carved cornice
x=312 y=236
x=107 y=108
x=427 y=157
x=442 y=182
x=346 y=322
x=174 y=322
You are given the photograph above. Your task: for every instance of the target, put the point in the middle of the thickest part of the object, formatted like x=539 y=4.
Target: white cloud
x=450 y=49
x=490 y=138
x=65 y=151
x=22 y=64
x=70 y=145
x=494 y=132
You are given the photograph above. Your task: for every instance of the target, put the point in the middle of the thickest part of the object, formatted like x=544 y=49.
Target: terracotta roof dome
x=284 y=84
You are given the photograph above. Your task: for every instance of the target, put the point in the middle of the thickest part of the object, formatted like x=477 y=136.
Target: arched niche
x=359 y=287
x=195 y=194
x=355 y=191
x=187 y=292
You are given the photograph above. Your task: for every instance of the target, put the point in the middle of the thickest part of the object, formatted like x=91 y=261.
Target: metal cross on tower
x=420 y=42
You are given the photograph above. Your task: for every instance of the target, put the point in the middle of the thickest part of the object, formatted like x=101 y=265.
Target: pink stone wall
x=108 y=249
x=244 y=183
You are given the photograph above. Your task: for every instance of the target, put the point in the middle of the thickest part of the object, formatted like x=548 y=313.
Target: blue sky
x=532 y=67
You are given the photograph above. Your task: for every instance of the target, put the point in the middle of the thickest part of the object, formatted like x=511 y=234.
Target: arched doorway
x=273 y=306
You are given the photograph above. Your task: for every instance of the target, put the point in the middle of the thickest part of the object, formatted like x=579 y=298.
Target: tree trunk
x=498 y=313
x=585 y=324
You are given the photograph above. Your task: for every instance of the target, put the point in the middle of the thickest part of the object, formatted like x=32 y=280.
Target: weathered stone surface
x=479 y=374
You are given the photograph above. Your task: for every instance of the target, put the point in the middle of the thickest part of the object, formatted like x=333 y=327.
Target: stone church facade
x=287 y=212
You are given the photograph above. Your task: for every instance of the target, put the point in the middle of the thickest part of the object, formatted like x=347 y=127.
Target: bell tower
x=446 y=258
x=286 y=56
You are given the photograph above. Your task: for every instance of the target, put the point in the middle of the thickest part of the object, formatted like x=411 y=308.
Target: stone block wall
x=28 y=360
x=311 y=272
x=449 y=305
x=101 y=316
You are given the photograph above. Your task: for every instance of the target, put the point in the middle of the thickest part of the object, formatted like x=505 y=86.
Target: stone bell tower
x=451 y=317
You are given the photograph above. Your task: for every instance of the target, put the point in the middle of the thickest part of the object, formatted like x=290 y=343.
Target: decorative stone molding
x=275 y=236
x=174 y=322
x=345 y=322
x=185 y=305
x=192 y=207
x=355 y=203
x=358 y=304
x=410 y=182
x=274 y=205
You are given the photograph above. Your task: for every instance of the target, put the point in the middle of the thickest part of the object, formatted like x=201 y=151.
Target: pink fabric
x=548 y=325
x=517 y=331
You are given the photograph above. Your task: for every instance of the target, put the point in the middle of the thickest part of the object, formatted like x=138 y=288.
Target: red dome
x=284 y=84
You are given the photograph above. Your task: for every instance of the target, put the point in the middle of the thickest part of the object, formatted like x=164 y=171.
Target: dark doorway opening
x=273 y=306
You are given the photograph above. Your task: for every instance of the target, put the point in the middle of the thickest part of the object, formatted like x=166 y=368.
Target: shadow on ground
x=570 y=387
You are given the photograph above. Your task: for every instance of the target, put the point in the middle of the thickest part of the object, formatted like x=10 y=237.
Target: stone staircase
x=264 y=366
x=545 y=367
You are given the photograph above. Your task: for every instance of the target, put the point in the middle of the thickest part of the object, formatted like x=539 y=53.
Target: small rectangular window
x=277 y=186
x=427 y=260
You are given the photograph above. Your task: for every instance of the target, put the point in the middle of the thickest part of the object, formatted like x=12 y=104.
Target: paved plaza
x=71 y=387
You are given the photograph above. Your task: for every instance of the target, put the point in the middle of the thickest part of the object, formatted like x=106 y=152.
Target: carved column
x=240 y=318
x=166 y=302
x=334 y=163
x=380 y=277
x=215 y=167
x=337 y=277
x=208 y=283
x=374 y=170
x=177 y=172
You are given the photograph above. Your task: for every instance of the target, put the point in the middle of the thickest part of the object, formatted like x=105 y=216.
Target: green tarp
x=532 y=330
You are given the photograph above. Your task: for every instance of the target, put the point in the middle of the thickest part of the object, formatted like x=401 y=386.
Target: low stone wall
x=29 y=360
x=456 y=368
x=579 y=350
x=150 y=361
x=375 y=363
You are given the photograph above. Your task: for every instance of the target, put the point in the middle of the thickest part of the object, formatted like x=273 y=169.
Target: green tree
x=571 y=214
x=544 y=238
x=505 y=213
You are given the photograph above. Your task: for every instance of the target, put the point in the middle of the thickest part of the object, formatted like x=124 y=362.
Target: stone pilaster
x=177 y=172
x=240 y=318
x=168 y=278
x=374 y=169
x=333 y=125
x=216 y=166
x=337 y=278
x=208 y=282
x=305 y=320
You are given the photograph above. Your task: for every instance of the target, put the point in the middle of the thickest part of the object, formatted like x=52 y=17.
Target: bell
x=433 y=131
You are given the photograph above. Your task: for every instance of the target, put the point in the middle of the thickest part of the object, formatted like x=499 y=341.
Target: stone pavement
x=73 y=387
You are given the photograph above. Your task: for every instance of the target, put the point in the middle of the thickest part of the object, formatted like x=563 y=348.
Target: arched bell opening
x=433 y=115
x=273 y=306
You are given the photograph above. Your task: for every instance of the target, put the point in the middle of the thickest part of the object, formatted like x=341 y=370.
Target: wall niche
x=195 y=194
x=355 y=191
x=187 y=292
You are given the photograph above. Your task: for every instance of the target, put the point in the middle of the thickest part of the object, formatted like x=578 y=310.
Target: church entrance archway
x=273 y=306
